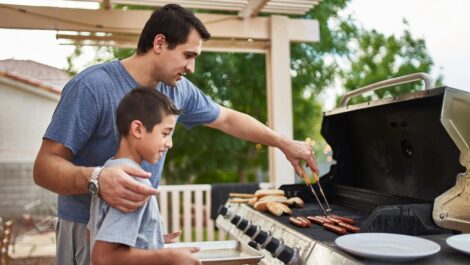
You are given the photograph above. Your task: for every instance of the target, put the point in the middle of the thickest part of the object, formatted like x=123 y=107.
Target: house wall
x=25 y=112
x=24 y=116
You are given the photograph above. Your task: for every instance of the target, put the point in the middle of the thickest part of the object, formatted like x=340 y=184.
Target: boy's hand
x=171 y=237
x=121 y=191
x=184 y=256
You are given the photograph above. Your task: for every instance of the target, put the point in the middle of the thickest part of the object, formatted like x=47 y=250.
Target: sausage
x=333 y=220
x=324 y=219
x=334 y=228
x=305 y=220
x=349 y=227
x=343 y=219
x=315 y=219
x=298 y=222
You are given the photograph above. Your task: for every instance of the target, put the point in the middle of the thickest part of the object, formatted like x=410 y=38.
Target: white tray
x=223 y=252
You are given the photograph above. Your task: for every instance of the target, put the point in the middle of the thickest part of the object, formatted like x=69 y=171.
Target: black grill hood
x=396 y=146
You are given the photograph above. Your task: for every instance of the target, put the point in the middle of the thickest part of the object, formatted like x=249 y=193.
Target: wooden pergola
x=244 y=31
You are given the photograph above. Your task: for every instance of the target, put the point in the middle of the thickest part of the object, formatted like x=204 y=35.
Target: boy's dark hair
x=146 y=105
x=173 y=21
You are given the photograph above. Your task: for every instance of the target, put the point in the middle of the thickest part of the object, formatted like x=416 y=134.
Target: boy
x=145 y=120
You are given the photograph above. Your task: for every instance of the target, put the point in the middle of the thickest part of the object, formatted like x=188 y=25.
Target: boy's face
x=154 y=144
x=180 y=60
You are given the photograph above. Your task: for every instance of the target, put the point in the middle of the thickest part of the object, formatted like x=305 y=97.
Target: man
x=82 y=134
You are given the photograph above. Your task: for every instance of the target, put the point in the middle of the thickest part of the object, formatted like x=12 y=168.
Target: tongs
x=327 y=210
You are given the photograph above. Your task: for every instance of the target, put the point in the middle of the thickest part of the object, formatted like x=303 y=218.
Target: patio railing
x=188 y=208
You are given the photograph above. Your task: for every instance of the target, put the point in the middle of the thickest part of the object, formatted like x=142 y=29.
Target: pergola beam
x=252 y=8
x=132 y=21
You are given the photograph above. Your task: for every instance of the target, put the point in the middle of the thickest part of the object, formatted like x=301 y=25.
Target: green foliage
x=346 y=54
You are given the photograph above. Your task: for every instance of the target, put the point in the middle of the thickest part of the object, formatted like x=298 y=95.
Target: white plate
x=387 y=247
x=460 y=242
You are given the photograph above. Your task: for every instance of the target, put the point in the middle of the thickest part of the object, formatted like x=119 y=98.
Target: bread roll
x=262 y=193
x=275 y=208
x=295 y=201
x=241 y=195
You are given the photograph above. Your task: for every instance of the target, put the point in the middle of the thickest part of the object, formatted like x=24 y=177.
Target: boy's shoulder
x=112 y=162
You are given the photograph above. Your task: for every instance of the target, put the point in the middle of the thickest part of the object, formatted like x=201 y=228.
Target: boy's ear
x=136 y=129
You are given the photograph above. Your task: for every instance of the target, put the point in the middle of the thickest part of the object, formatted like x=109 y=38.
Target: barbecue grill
x=401 y=167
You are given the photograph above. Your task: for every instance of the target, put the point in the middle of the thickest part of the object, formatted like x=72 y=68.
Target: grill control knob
x=243 y=224
x=235 y=220
x=252 y=230
x=262 y=237
x=253 y=244
x=289 y=256
x=222 y=210
x=273 y=245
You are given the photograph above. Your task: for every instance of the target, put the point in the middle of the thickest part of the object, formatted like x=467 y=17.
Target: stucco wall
x=25 y=112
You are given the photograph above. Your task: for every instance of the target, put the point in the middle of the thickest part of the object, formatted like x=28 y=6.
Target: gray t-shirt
x=139 y=229
x=84 y=122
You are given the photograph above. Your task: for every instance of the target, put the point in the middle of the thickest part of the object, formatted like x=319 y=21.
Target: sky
x=445 y=26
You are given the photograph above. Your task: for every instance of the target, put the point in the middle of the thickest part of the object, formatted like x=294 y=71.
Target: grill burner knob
x=262 y=237
x=243 y=224
x=273 y=245
x=253 y=244
x=222 y=210
x=235 y=220
x=289 y=256
x=252 y=230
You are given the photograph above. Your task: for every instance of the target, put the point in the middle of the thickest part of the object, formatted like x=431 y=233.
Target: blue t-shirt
x=139 y=229
x=84 y=122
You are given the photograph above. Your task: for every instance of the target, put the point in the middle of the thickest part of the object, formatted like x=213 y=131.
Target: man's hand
x=296 y=152
x=121 y=191
x=184 y=256
x=171 y=237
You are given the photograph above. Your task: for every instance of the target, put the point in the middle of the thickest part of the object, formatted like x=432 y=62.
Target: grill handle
x=428 y=83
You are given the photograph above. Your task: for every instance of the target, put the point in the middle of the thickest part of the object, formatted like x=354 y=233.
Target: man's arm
x=248 y=128
x=105 y=253
x=54 y=170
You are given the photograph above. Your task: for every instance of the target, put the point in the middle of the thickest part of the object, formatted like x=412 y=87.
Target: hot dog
x=333 y=220
x=343 y=219
x=349 y=227
x=315 y=219
x=324 y=219
x=305 y=220
x=298 y=222
x=334 y=228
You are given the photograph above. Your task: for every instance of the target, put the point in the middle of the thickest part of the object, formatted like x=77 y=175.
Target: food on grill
x=239 y=200
x=261 y=205
x=334 y=228
x=252 y=201
x=278 y=208
x=273 y=198
x=349 y=227
x=324 y=219
x=305 y=220
x=295 y=201
x=333 y=220
x=298 y=222
x=241 y=195
x=262 y=193
x=315 y=220
x=343 y=219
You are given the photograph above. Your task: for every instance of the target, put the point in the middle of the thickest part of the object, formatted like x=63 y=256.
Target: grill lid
x=411 y=146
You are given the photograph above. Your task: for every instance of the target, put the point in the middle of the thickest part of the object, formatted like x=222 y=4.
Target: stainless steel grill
x=401 y=167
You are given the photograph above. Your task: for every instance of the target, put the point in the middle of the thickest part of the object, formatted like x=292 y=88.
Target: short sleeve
x=198 y=108
x=121 y=228
x=75 y=117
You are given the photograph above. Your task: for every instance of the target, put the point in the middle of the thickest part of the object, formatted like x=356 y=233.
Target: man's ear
x=137 y=129
x=158 y=43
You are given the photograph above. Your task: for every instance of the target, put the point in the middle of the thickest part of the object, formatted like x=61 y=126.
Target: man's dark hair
x=173 y=21
x=146 y=105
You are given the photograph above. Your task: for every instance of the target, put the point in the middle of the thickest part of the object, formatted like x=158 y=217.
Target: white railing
x=193 y=203
x=188 y=208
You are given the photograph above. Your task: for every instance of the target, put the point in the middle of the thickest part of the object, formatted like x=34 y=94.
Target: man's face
x=175 y=63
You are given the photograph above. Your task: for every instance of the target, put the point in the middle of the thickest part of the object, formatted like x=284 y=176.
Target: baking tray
x=223 y=252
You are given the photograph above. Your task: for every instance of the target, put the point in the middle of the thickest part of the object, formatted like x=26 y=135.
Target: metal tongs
x=326 y=211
